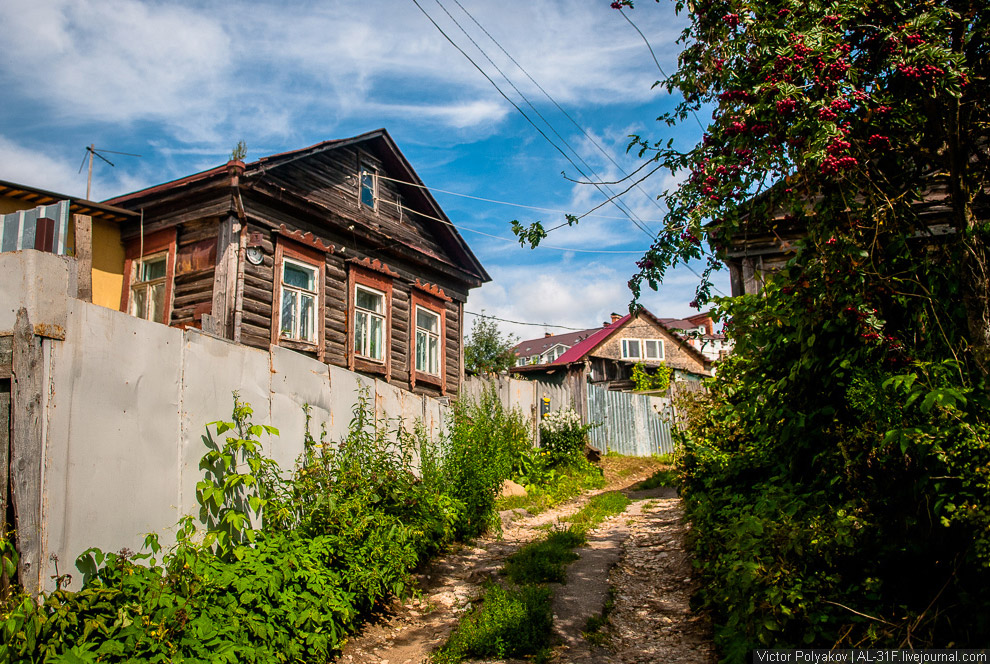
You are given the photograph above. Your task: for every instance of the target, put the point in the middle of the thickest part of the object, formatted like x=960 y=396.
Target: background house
x=699 y=332
x=336 y=250
x=32 y=218
x=606 y=355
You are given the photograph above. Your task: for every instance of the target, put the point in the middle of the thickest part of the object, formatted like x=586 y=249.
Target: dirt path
x=642 y=548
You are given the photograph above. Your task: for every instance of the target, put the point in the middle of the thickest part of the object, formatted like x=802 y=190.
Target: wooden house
x=336 y=250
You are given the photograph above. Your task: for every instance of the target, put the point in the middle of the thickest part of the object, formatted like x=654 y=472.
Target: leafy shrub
x=658 y=380
x=511 y=622
x=483 y=442
x=286 y=566
x=663 y=477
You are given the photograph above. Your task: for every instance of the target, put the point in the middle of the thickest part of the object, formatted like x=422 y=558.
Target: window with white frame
x=369 y=323
x=148 y=287
x=653 y=349
x=299 y=297
x=642 y=349
x=631 y=349
x=369 y=186
x=427 y=341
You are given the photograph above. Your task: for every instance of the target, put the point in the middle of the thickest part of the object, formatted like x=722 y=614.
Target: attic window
x=631 y=349
x=369 y=186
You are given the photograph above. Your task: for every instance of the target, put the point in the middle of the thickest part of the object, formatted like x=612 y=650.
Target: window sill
x=428 y=379
x=368 y=366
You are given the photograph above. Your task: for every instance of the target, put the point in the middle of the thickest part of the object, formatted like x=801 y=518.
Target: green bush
x=483 y=442
x=562 y=435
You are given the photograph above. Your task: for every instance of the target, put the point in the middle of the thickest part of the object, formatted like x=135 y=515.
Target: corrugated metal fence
x=632 y=424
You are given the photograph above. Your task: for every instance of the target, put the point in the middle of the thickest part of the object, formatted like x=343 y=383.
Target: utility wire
x=558 y=106
x=638 y=222
x=516 y=322
x=492 y=200
x=508 y=239
x=662 y=72
x=514 y=104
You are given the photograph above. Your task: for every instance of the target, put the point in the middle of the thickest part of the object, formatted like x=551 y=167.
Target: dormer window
x=369 y=186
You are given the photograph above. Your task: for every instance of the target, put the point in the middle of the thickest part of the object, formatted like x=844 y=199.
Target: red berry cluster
x=914 y=40
x=733 y=95
x=837 y=146
x=923 y=73
x=690 y=238
x=645 y=264
x=840 y=104
x=878 y=141
x=785 y=106
x=827 y=114
x=783 y=12
x=834 y=164
x=831 y=20
x=732 y=20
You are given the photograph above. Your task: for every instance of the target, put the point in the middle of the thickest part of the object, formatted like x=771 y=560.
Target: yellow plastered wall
x=108 y=254
x=108 y=262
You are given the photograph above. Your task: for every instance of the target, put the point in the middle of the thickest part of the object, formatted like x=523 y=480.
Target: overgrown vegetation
x=668 y=477
x=545 y=560
x=599 y=508
x=645 y=380
x=286 y=566
x=512 y=621
x=837 y=472
x=558 y=469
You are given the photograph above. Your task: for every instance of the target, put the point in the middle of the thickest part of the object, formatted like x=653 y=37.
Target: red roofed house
x=606 y=355
x=335 y=250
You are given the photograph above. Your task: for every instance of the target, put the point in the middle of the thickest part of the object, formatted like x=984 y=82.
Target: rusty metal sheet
x=111 y=458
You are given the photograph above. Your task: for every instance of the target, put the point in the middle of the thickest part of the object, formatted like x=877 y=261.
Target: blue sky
x=181 y=82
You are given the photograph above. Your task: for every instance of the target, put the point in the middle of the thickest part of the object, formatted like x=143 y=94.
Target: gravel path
x=638 y=554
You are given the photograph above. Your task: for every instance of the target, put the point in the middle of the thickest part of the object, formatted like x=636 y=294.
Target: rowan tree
x=837 y=474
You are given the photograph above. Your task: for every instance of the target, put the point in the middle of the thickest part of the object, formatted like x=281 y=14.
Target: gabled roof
x=395 y=162
x=595 y=337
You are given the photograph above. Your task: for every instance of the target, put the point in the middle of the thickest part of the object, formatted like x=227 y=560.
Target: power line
x=509 y=239
x=491 y=200
x=598 y=185
x=554 y=101
x=516 y=106
x=517 y=322
x=662 y=72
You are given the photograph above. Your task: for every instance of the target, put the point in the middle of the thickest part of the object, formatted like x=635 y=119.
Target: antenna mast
x=90 y=151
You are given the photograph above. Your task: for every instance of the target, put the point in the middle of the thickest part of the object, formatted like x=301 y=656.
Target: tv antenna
x=92 y=150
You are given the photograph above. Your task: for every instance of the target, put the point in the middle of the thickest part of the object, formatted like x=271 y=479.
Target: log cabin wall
x=316 y=201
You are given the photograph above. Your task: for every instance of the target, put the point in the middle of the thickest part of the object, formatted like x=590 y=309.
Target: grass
x=545 y=560
x=514 y=621
x=662 y=477
x=598 y=509
x=593 y=627
x=570 y=481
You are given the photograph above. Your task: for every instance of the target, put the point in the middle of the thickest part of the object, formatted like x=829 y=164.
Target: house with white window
x=606 y=355
x=337 y=251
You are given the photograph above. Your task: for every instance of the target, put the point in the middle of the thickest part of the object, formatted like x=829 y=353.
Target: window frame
x=137 y=251
x=370 y=314
x=642 y=357
x=365 y=168
x=375 y=281
x=420 y=299
x=291 y=252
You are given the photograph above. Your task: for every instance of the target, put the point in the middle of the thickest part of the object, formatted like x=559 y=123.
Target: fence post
x=25 y=452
